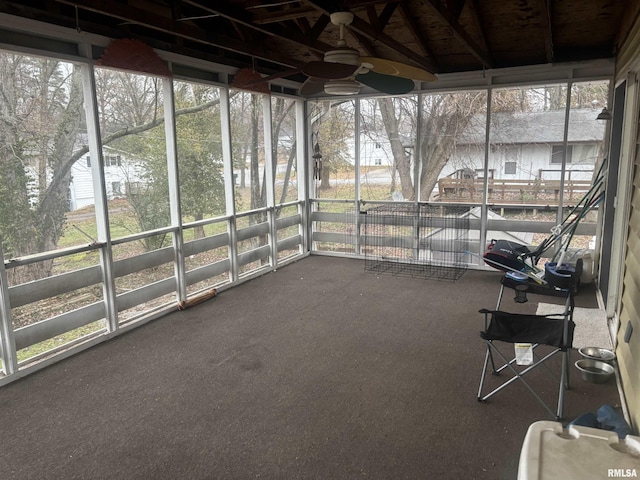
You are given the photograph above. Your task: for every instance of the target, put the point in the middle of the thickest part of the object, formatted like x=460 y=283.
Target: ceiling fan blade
x=386 y=83
x=312 y=86
x=397 y=69
x=249 y=79
x=329 y=70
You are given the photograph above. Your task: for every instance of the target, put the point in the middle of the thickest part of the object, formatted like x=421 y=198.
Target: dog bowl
x=597 y=353
x=594 y=371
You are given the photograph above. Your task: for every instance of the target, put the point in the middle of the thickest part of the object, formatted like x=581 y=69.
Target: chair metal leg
x=484 y=372
x=518 y=376
x=562 y=346
x=564 y=383
x=567 y=366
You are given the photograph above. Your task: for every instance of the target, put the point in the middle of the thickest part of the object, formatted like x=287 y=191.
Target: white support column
x=626 y=166
x=417 y=178
x=311 y=183
x=7 y=339
x=356 y=180
x=417 y=155
x=565 y=140
x=100 y=195
x=174 y=188
x=484 y=210
x=302 y=161
x=229 y=184
x=270 y=177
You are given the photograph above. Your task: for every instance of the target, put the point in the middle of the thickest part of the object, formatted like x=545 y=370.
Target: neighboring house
x=523 y=146
x=528 y=146
x=122 y=176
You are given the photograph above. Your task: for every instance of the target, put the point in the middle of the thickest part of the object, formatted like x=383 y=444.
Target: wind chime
x=317 y=158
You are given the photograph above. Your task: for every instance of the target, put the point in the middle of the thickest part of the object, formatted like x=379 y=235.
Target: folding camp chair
x=514 y=328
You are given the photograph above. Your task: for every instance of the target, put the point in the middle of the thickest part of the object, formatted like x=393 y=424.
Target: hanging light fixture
x=604 y=115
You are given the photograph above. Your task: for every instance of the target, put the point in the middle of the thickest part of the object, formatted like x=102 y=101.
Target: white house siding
x=81 y=188
x=529 y=161
x=527 y=139
x=374 y=154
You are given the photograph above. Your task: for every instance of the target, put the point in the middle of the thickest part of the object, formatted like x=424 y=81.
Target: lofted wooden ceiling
x=441 y=36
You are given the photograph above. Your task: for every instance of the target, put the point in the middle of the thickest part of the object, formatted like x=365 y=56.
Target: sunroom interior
x=143 y=177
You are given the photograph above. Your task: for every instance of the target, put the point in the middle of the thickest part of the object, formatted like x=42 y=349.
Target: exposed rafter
x=241 y=16
x=385 y=15
x=410 y=19
x=545 y=13
x=318 y=28
x=455 y=8
x=473 y=8
x=266 y=17
x=368 y=31
x=178 y=29
x=461 y=35
x=278 y=36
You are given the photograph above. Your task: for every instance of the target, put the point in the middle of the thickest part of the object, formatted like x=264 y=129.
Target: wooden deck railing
x=511 y=191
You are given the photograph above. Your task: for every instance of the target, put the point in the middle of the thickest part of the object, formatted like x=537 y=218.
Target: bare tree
x=446 y=117
x=42 y=117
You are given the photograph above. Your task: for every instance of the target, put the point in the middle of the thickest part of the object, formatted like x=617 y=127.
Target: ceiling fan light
x=348 y=56
x=341 y=18
x=341 y=87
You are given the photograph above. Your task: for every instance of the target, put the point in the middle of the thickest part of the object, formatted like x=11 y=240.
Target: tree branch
x=77 y=155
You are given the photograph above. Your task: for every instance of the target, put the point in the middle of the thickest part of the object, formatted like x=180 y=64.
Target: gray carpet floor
x=320 y=370
x=591 y=325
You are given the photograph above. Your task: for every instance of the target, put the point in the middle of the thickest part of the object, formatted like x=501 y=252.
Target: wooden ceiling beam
x=455 y=8
x=386 y=14
x=461 y=35
x=366 y=44
x=475 y=13
x=236 y=14
x=367 y=30
x=275 y=17
x=319 y=27
x=379 y=22
x=410 y=19
x=547 y=31
x=372 y=14
x=164 y=24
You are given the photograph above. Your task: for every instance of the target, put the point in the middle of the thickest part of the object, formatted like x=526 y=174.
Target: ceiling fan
x=343 y=71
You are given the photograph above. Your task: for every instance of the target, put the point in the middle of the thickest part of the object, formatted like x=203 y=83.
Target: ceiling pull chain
x=78 y=29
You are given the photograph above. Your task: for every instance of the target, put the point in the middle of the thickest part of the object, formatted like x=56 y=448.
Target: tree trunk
x=401 y=159
x=256 y=193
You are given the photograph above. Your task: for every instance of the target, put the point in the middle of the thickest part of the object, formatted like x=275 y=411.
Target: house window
x=112 y=160
x=377 y=161
x=556 y=154
x=116 y=188
x=510 y=168
x=89 y=162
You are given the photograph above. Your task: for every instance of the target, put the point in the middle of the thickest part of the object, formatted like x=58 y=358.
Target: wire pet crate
x=427 y=241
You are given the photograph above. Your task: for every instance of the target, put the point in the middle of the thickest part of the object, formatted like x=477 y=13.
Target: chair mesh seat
x=517 y=328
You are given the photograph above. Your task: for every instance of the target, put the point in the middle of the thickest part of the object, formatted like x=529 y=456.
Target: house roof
x=545 y=127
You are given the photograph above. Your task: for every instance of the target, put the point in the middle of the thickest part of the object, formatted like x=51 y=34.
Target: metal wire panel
x=424 y=241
